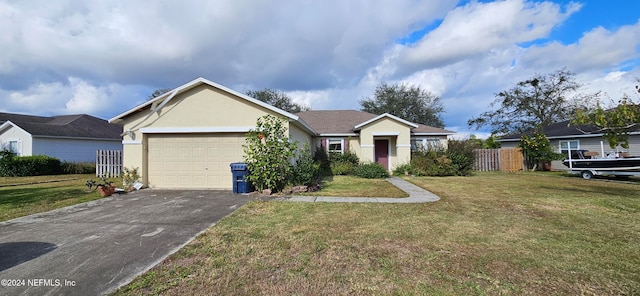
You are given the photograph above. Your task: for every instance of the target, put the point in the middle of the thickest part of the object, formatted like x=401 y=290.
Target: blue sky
x=104 y=57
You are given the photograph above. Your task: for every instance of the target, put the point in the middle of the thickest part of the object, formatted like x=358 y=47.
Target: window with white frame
x=569 y=144
x=424 y=143
x=335 y=145
x=12 y=145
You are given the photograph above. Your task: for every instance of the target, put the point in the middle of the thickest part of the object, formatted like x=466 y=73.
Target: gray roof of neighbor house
x=65 y=126
x=564 y=130
x=344 y=121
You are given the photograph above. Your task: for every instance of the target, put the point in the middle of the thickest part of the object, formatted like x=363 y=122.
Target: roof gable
x=383 y=116
x=159 y=102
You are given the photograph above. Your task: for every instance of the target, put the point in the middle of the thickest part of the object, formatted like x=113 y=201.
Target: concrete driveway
x=95 y=247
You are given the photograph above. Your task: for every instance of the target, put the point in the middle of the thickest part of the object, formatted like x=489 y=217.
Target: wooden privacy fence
x=108 y=163
x=505 y=160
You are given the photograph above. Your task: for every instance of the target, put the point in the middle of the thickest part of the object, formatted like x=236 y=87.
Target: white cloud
x=76 y=96
x=479 y=28
x=104 y=57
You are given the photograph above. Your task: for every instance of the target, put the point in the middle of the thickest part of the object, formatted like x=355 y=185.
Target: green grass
x=352 y=186
x=18 y=201
x=491 y=234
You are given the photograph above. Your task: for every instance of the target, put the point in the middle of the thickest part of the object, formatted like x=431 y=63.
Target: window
x=13 y=147
x=335 y=145
x=417 y=144
x=424 y=143
x=570 y=144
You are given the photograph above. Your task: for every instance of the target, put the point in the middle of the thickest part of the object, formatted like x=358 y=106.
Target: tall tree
x=534 y=104
x=277 y=98
x=158 y=92
x=615 y=123
x=407 y=102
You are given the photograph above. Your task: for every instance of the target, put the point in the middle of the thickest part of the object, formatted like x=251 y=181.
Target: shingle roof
x=562 y=129
x=66 y=126
x=344 y=121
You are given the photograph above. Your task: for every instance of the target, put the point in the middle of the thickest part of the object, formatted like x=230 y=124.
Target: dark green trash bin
x=240 y=184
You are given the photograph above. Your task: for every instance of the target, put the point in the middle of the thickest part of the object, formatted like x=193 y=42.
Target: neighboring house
x=73 y=138
x=385 y=138
x=187 y=137
x=564 y=136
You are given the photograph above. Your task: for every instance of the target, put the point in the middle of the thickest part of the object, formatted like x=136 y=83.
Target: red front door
x=382 y=152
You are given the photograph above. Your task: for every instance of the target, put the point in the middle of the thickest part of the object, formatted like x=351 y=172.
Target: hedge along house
x=187 y=137
x=385 y=139
x=73 y=138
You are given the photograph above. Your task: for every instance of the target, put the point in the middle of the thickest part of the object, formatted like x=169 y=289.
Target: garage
x=187 y=137
x=193 y=160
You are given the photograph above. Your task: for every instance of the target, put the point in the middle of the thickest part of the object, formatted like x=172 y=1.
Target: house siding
x=25 y=141
x=300 y=137
x=73 y=150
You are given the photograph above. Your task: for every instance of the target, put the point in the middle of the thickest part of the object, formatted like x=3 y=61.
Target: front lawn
x=352 y=186
x=490 y=234
x=29 y=198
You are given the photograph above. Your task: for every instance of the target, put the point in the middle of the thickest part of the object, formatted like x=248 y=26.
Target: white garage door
x=193 y=160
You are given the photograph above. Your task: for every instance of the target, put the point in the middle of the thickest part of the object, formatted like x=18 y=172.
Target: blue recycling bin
x=239 y=171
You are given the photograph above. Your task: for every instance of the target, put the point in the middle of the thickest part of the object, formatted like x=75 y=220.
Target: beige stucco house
x=385 y=138
x=187 y=137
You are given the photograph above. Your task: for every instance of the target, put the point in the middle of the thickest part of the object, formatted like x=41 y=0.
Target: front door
x=382 y=153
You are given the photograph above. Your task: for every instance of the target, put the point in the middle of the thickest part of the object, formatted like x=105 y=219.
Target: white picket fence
x=108 y=163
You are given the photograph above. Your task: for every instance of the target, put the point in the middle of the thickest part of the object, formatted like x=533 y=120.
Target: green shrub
x=37 y=165
x=462 y=156
x=371 y=171
x=306 y=171
x=404 y=168
x=347 y=156
x=342 y=168
x=432 y=162
x=129 y=177
x=322 y=160
x=268 y=153
x=68 y=167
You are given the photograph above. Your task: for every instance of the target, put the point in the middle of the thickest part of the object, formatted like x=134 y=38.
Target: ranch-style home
x=73 y=138
x=564 y=136
x=187 y=137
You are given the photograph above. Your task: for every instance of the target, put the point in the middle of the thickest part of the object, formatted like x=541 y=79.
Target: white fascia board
x=367 y=146
x=380 y=134
x=185 y=130
x=338 y=135
x=131 y=142
x=432 y=134
x=359 y=126
x=76 y=138
x=403 y=145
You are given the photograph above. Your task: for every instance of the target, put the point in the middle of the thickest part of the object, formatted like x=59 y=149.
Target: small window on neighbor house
x=417 y=144
x=335 y=146
x=13 y=147
x=570 y=144
x=424 y=143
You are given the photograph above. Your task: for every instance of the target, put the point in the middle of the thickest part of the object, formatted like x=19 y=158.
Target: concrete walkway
x=416 y=195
